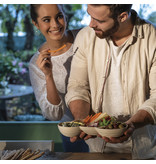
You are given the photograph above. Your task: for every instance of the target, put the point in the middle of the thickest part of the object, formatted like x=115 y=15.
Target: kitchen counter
x=85 y=156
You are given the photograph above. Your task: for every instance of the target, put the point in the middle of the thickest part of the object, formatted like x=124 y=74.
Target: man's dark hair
x=117 y=9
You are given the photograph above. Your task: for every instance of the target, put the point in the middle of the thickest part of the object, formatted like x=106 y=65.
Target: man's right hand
x=82 y=135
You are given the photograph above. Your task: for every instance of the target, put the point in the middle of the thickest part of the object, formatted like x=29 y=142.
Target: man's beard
x=109 y=32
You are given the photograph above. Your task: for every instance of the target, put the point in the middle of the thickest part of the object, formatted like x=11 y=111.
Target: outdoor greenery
x=13 y=67
x=15 y=51
x=16 y=17
x=144 y=9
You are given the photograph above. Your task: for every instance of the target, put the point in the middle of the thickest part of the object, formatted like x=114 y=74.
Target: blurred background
x=19 y=40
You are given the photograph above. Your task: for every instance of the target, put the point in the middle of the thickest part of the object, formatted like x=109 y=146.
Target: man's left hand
x=123 y=138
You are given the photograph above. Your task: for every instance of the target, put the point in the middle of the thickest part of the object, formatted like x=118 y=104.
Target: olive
x=111 y=123
x=121 y=126
x=115 y=126
x=110 y=126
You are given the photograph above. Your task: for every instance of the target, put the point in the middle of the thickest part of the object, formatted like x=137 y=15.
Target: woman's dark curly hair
x=33 y=11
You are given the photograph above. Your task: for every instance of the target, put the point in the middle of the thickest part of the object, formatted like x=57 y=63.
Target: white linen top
x=113 y=99
x=61 y=69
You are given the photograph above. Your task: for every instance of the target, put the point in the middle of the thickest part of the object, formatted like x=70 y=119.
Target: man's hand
x=82 y=135
x=140 y=119
x=123 y=138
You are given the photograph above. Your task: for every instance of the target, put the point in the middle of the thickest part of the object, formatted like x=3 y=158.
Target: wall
x=41 y=130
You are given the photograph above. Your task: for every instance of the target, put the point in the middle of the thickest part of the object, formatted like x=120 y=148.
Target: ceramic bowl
x=69 y=131
x=110 y=132
x=89 y=130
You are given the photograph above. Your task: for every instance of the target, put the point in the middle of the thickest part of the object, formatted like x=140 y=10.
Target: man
x=114 y=71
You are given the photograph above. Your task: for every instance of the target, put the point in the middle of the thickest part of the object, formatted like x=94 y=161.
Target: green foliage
x=11 y=64
x=14 y=66
x=8 y=13
x=152 y=17
x=143 y=9
x=75 y=15
x=25 y=55
x=76 y=7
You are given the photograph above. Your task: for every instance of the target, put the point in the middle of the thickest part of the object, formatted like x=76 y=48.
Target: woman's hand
x=44 y=62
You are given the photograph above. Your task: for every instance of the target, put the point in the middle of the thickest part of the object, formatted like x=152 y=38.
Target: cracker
x=5 y=153
x=9 y=155
x=17 y=154
x=20 y=153
x=36 y=156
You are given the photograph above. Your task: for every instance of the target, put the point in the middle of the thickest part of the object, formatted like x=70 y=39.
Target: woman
x=49 y=68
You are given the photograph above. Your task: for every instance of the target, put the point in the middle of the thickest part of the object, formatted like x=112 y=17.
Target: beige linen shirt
x=90 y=68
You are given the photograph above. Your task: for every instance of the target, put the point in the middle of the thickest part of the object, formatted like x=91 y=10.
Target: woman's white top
x=61 y=69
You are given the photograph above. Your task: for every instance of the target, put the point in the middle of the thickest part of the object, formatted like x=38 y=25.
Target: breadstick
x=36 y=152
x=20 y=153
x=27 y=156
x=27 y=151
x=17 y=154
x=36 y=156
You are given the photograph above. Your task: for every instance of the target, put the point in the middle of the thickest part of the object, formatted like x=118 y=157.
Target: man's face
x=101 y=21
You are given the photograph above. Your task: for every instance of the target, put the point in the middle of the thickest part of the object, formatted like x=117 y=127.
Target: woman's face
x=51 y=21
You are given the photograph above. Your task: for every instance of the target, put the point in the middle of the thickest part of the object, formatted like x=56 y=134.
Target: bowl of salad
x=70 y=129
x=110 y=127
x=90 y=122
x=104 y=125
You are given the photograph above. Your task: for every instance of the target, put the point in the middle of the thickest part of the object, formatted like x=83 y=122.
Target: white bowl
x=110 y=132
x=69 y=131
x=89 y=130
